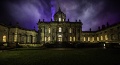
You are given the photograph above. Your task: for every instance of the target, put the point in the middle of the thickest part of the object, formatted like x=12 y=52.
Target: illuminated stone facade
x=17 y=34
x=108 y=34
x=59 y=30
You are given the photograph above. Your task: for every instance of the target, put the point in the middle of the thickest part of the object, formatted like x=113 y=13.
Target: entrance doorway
x=59 y=38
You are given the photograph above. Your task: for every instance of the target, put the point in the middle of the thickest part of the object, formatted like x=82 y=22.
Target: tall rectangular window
x=88 y=38
x=106 y=37
x=84 y=39
x=101 y=38
x=98 y=39
x=4 y=38
x=60 y=29
x=48 y=38
x=70 y=30
x=49 y=30
x=59 y=19
x=73 y=38
x=70 y=38
x=45 y=39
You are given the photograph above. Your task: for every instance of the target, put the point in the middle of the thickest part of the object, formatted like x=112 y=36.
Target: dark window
x=112 y=37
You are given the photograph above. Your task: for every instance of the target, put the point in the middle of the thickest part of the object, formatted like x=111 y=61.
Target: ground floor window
x=4 y=38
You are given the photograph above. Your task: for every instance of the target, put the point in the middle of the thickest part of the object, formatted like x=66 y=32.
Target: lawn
x=86 y=56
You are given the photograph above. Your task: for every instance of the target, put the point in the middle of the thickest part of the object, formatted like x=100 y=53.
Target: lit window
x=4 y=38
x=70 y=38
x=59 y=38
x=45 y=39
x=15 y=38
x=63 y=20
x=49 y=30
x=97 y=38
x=106 y=37
x=70 y=31
x=60 y=29
x=73 y=38
x=59 y=19
x=101 y=37
x=84 y=39
x=88 y=38
x=48 y=38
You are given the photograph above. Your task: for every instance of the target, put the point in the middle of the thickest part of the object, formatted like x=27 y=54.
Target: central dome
x=59 y=16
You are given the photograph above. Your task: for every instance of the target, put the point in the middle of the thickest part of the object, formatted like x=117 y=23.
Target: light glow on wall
x=93 y=39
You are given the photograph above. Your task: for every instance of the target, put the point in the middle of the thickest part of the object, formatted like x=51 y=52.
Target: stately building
x=60 y=30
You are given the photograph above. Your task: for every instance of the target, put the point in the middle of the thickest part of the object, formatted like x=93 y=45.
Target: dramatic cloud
x=92 y=13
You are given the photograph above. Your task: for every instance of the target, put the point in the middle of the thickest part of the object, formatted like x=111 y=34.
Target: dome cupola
x=59 y=16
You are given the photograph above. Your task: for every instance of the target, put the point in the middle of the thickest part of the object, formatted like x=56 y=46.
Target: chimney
x=43 y=20
x=79 y=20
x=90 y=29
x=76 y=20
x=68 y=20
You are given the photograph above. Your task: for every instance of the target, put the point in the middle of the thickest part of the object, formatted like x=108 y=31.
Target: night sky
x=92 y=13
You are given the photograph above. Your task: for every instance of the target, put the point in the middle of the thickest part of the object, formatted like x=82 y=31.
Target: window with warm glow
x=59 y=19
x=73 y=38
x=59 y=38
x=93 y=39
x=101 y=37
x=70 y=38
x=70 y=30
x=60 y=29
x=4 y=38
x=88 y=38
x=15 y=38
x=98 y=39
x=106 y=37
x=49 y=30
x=48 y=38
x=84 y=39
x=45 y=39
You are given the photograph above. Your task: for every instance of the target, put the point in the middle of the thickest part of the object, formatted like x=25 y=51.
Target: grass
x=90 y=56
